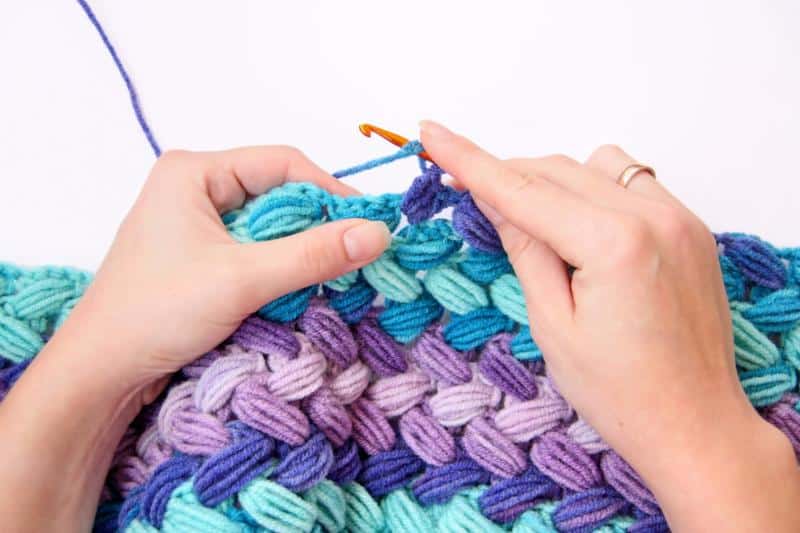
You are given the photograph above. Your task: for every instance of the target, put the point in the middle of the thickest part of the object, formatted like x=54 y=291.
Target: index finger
x=230 y=176
x=568 y=223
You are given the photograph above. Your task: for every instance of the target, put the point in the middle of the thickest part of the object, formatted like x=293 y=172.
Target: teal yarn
x=458 y=299
x=32 y=304
x=484 y=268
x=776 y=312
x=456 y=292
x=327 y=373
x=392 y=280
x=524 y=347
x=765 y=386
x=283 y=214
x=329 y=499
x=288 y=307
x=362 y=514
x=386 y=363
x=425 y=245
x=507 y=296
x=406 y=321
x=276 y=508
x=752 y=348
x=474 y=329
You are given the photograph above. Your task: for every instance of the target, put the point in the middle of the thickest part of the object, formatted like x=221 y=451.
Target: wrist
x=81 y=414
x=736 y=473
x=94 y=345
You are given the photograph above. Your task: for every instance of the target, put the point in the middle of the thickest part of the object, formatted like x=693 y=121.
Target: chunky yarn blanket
x=408 y=396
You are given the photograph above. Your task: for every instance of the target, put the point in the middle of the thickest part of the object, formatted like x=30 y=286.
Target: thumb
x=271 y=269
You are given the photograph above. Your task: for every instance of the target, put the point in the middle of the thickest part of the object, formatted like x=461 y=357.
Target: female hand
x=173 y=286
x=639 y=338
x=185 y=283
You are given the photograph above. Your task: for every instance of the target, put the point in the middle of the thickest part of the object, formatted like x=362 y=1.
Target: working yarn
x=407 y=396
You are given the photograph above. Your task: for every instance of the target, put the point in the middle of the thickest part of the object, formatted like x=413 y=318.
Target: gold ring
x=631 y=171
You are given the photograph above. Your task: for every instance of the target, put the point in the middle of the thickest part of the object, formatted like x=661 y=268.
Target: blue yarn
x=410 y=149
x=354 y=303
x=508 y=498
x=476 y=229
x=229 y=471
x=524 y=347
x=285 y=211
x=105 y=520
x=733 y=279
x=305 y=465
x=289 y=306
x=427 y=195
x=776 y=313
x=465 y=332
x=384 y=208
x=650 y=524
x=130 y=508
x=10 y=375
x=165 y=479
x=425 y=245
x=592 y=508
x=440 y=483
x=137 y=109
x=765 y=386
x=484 y=268
x=757 y=260
x=346 y=463
x=386 y=471
x=406 y=321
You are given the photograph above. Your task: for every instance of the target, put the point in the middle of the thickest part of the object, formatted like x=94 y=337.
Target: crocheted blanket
x=408 y=396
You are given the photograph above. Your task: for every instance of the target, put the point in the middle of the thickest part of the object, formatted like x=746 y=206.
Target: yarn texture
x=406 y=397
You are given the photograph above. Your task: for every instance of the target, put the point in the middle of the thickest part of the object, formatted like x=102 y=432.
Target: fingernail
x=366 y=240
x=434 y=129
x=489 y=212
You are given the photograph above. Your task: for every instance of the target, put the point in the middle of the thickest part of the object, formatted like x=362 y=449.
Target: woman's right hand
x=639 y=338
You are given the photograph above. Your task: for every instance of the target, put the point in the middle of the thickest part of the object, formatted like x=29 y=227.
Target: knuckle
x=518 y=247
x=560 y=160
x=519 y=183
x=606 y=152
x=291 y=152
x=170 y=163
x=676 y=224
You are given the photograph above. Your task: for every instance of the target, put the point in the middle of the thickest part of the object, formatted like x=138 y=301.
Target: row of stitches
x=493 y=407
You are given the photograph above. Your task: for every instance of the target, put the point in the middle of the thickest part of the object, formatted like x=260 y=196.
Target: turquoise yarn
x=406 y=321
x=289 y=306
x=473 y=329
x=765 y=386
x=484 y=268
x=426 y=279
x=456 y=292
x=523 y=346
x=423 y=277
x=425 y=245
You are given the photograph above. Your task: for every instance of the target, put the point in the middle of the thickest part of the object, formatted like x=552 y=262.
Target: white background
x=707 y=92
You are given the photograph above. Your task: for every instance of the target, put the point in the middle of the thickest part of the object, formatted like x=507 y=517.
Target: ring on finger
x=632 y=171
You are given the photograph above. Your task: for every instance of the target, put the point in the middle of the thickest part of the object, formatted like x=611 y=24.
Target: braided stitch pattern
x=408 y=396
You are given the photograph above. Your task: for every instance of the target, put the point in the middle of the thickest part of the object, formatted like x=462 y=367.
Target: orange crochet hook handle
x=394 y=138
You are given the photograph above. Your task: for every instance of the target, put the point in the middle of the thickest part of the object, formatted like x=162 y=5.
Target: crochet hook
x=394 y=138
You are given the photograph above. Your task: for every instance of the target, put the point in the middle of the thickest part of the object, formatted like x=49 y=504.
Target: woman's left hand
x=173 y=286
x=175 y=283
